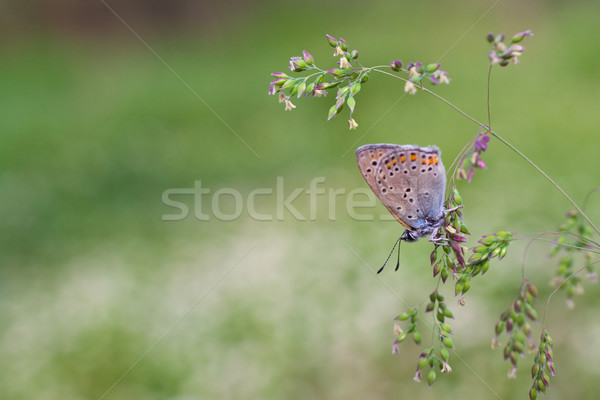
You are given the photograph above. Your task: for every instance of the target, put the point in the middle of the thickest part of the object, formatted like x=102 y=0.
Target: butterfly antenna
x=388 y=257
x=398 y=262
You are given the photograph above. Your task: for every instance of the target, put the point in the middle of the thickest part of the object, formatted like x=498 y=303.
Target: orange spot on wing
x=394 y=161
x=402 y=158
x=413 y=157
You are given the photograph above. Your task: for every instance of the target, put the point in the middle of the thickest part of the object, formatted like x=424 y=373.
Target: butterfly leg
x=449 y=210
x=439 y=241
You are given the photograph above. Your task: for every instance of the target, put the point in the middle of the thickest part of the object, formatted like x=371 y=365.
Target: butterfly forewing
x=409 y=180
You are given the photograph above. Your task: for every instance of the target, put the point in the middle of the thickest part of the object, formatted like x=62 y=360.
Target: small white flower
x=319 y=93
x=338 y=51
x=289 y=106
x=512 y=374
x=446 y=367
x=578 y=289
x=344 y=62
x=410 y=87
x=412 y=72
x=353 y=125
x=444 y=78
x=570 y=304
x=495 y=342
x=417 y=377
x=282 y=97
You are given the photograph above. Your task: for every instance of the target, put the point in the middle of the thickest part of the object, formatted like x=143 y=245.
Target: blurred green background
x=102 y=111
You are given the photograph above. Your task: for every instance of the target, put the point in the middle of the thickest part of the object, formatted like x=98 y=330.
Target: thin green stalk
x=513 y=148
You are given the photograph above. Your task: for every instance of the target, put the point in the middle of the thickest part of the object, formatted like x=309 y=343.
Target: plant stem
x=513 y=148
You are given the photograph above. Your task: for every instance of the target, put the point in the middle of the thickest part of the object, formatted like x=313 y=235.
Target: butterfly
x=410 y=181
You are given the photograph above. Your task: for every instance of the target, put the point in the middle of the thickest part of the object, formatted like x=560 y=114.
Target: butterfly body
x=410 y=181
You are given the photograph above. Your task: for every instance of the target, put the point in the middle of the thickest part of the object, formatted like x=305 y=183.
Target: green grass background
x=102 y=299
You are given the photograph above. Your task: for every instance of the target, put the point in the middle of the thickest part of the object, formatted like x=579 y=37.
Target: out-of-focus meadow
x=103 y=112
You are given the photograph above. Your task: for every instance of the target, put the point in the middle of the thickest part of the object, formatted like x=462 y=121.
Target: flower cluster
x=348 y=75
x=543 y=366
x=428 y=358
x=503 y=54
x=417 y=72
x=452 y=258
x=574 y=237
x=490 y=246
x=514 y=321
x=402 y=334
x=472 y=158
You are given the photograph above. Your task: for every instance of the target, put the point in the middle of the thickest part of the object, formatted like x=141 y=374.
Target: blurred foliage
x=95 y=127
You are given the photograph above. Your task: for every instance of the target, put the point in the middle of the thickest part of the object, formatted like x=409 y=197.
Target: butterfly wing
x=409 y=180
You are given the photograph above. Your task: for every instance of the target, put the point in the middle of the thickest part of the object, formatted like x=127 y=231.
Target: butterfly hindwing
x=409 y=180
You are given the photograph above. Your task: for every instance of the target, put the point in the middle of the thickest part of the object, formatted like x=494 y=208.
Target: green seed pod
x=534 y=370
x=301 y=88
x=402 y=337
x=431 y=377
x=448 y=342
x=432 y=67
x=481 y=249
x=445 y=354
x=444 y=274
x=499 y=327
x=457 y=197
x=532 y=394
x=448 y=313
x=417 y=337
x=466 y=287
x=458 y=288
x=403 y=316
x=365 y=77
x=464 y=229
x=485 y=266
x=440 y=316
x=430 y=307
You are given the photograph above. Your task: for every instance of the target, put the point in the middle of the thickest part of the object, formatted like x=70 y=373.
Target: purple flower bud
x=470 y=174
x=436 y=269
x=343 y=44
x=517 y=306
x=272 y=89
x=509 y=326
x=490 y=37
x=481 y=164
x=458 y=238
x=395 y=348
x=396 y=65
x=494 y=59
x=279 y=75
x=332 y=41
x=308 y=57
x=354 y=54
